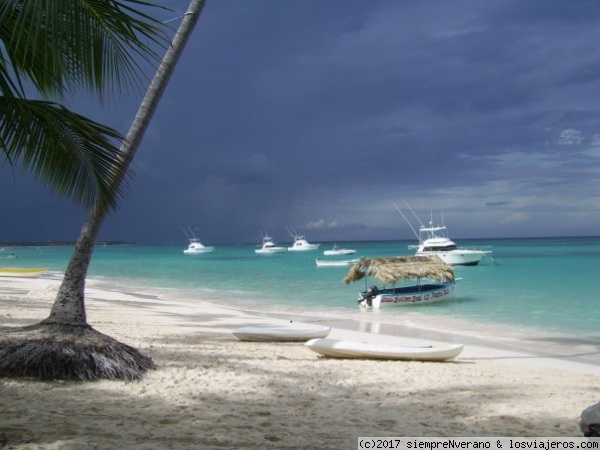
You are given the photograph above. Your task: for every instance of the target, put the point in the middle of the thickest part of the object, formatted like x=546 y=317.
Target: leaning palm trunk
x=64 y=346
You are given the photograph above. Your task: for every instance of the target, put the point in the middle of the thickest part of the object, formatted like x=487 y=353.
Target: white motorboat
x=335 y=262
x=268 y=246
x=434 y=240
x=301 y=244
x=339 y=251
x=195 y=247
x=435 y=280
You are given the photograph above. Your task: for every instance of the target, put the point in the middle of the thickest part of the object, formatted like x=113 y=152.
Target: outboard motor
x=369 y=295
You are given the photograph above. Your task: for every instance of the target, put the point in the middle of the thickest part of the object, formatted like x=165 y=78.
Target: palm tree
x=64 y=345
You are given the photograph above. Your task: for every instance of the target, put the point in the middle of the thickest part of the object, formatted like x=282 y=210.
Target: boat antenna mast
x=184 y=232
x=191 y=234
x=407 y=221
x=292 y=232
x=413 y=213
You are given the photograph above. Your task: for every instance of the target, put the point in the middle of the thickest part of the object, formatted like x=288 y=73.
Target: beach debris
x=590 y=421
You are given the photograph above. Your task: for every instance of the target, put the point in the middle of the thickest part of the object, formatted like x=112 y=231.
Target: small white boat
x=268 y=246
x=291 y=333
x=335 y=262
x=195 y=247
x=434 y=240
x=434 y=283
x=301 y=244
x=22 y=272
x=339 y=251
x=362 y=350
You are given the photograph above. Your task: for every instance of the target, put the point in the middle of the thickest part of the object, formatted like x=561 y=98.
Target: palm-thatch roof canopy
x=390 y=270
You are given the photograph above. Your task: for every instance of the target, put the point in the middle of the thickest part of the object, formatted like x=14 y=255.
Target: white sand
x=213 y=391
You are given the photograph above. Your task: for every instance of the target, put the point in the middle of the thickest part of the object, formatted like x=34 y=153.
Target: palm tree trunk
x=69 y=306
x=64 y=346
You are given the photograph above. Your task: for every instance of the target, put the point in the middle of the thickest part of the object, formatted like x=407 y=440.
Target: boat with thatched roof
x=435 y=280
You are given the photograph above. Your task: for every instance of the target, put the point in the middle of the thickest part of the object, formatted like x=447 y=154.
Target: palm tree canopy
x=390 y=270
x=58 y=47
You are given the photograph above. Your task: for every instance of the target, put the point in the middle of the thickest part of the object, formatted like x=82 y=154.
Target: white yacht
x=434 y=240
x=335 y=250
x=268 y=246
x=301 y=244
x=195 y=246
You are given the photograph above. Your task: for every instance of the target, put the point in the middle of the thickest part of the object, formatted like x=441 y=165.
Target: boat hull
x=339 y=252
x=458 y=257
x=294 y=333
x=270 y=250
x=304 y=248
x=22 y=272
x=409 y=295
x=361 y=350
x=335 y=263
x=198 y=251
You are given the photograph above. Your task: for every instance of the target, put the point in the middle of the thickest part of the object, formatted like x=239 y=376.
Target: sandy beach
x=213 y=391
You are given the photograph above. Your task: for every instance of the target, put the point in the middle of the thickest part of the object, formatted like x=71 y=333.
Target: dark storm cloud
x=318 y=115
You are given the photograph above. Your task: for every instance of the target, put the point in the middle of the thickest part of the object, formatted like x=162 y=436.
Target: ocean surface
x=535 y=289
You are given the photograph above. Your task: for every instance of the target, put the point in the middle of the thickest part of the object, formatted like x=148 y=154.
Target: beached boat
x=301 y=244
x=427 y=280
x=289 y=333
x=339 y=251
x=363 y=350
x=268 y=246
x=195 y=247
x=434 y=240
x=22 y=272
x=335 y=262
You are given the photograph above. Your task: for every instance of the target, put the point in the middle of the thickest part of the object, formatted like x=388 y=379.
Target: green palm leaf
x=82 y=164
x=59 y=47
x=62 y=45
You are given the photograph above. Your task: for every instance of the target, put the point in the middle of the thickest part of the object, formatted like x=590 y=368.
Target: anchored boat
x=300 y=243
x=428 y=280
x=335 y=262
x=268 y=246
x=335 y=251
x=434 y=240
x=195 y=247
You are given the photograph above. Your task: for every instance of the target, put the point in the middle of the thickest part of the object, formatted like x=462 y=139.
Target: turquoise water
x=548 y=285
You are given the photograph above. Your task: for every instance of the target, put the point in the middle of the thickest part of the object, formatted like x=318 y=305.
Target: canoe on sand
x=22 y=272
x=362 y=350
x=291 y=333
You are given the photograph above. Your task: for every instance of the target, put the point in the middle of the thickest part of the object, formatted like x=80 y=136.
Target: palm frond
x=74 y=155
x=62 y=45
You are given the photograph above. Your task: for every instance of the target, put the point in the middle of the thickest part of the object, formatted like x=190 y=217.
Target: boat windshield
x=440 y=248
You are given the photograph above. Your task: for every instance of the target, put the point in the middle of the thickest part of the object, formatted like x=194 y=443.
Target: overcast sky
x=319 y=115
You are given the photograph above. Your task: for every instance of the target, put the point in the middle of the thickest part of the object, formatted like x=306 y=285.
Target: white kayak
x=291 y=333
x=351 y=349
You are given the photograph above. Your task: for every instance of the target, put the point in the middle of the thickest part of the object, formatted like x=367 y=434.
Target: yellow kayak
x=22 y=272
